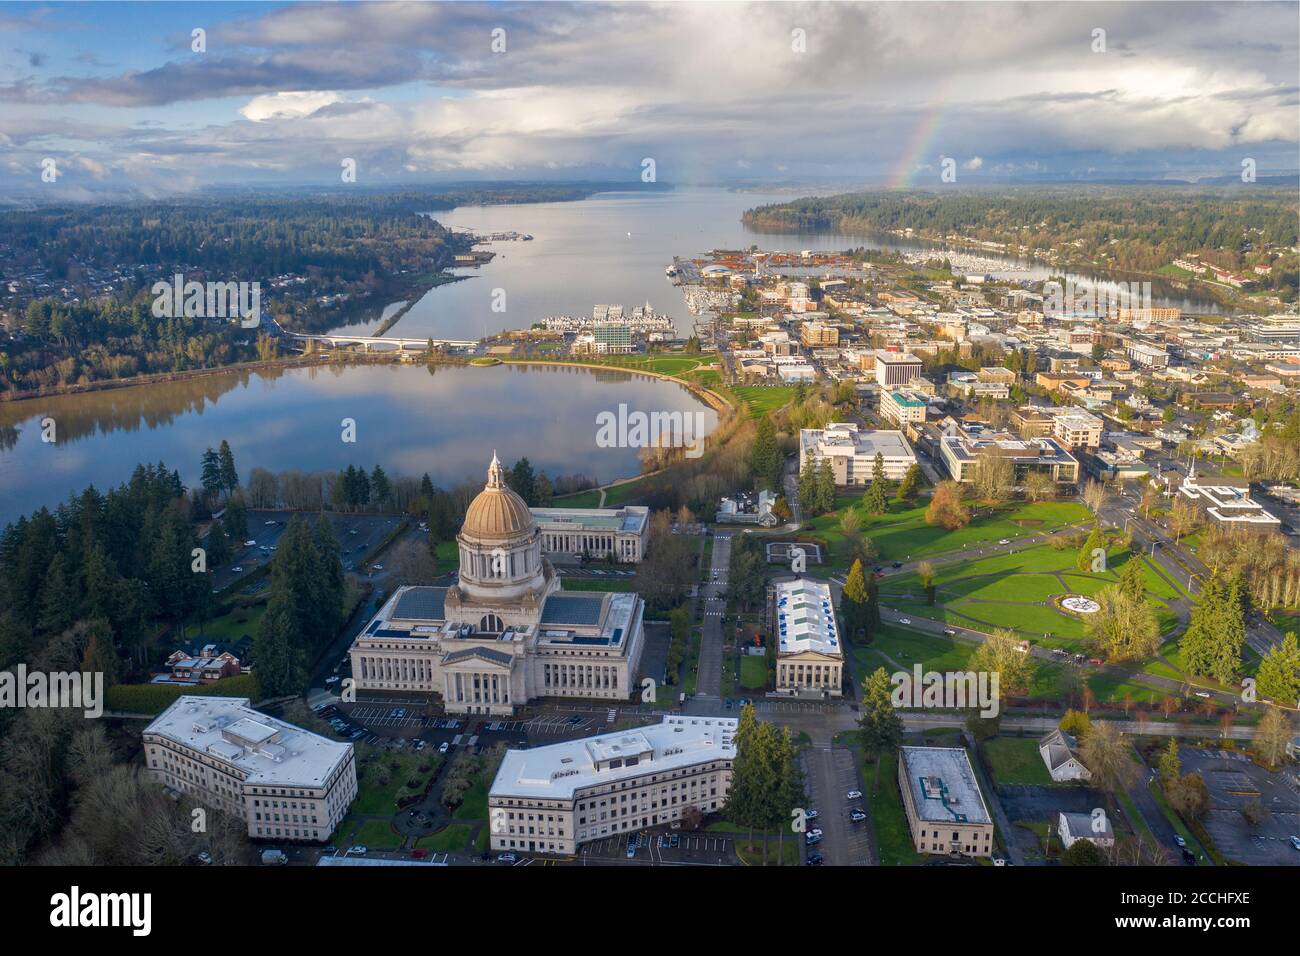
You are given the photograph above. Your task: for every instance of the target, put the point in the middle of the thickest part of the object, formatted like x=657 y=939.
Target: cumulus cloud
x=412 y=89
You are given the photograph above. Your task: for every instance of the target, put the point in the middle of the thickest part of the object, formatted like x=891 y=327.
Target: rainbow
x=919 y=145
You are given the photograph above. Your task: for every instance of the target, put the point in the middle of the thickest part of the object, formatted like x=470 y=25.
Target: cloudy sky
x=875 y=92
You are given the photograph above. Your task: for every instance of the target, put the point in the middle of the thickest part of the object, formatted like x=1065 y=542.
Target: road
x=708 y=681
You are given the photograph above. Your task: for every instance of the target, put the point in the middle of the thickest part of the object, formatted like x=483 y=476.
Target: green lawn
x=384 y=778
x=450 y=839
x=762 y=400
x=1016 y=760
x=234 y=624
x=475 y=804
x=740 y=840
x=582 y=499
x=753 y=672
x=378 y=834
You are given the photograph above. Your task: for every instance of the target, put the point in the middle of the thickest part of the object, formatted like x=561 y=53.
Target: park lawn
x=234 y=624
x=1111 y=684
x=376 y=797
x=1014 y=587
x=450 y=839
x=753 y=672
x=616 y=495
x=475 y=804
x=484 y=840
x=1033 y=621
x=905 y=647
x=761 y=399
x=447 y=554
x=378 y=833
x=581 y=499
x=1016 y=760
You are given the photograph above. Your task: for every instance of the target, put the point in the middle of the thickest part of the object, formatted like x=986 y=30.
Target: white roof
x=805 y=615
x=558 y=771
x=269 y=751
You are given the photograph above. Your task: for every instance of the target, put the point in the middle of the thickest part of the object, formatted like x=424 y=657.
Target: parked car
x=507 y=858
x=1179 y=840
x=856 y=815
x=812 y=839
x=815 y=859
x=904 y=620
x=1005 y=541
x=950 y=632
x=358 y=850
x=854 y=795
x=1295 y=842
x=444 y=747
x=810 y=815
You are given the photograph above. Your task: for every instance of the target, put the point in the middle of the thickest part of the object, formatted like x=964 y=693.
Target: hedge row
x=155 y=698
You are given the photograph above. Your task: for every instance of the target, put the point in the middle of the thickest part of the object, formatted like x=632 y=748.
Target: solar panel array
x=421 y=604
x=578 y=610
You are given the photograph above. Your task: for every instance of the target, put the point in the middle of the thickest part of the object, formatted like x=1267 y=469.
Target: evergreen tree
x=881 y=729
x=211 y=474
x=825 y=487
x=1211 y=645
x=765 y=457
x=226 y=468
x=235 y=520
x=1095 y=540
x=380 y=489
x=1278 y=677
x=520 y=478
x=808 y=489
x=853 y=602
x=60 y=598
x=910 y=484
x=1171 y=768
x=280 y=662
x=1132 y=578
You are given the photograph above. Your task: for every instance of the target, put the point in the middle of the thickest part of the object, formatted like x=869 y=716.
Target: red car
x=419 y=854
x=1094 y=660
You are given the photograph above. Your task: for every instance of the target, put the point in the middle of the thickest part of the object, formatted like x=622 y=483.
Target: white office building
x=553 y=799
x=852 y=452
x=284 y=782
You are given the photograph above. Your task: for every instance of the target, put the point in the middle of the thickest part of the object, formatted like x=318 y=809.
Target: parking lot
x=830 y=773
x=1234 y=783
x=656 y=847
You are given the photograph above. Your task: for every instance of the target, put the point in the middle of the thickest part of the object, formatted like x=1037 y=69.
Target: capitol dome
x=497 y=513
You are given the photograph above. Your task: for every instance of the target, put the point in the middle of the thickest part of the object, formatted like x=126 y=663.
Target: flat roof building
x=553 y=799
x=852 y=452
x=614 y=534
x=902 y=407
x=1229 y=505
x=945 y=809
x=960 y=451
x=284 y=782
x=809 y=649
x=895 y=368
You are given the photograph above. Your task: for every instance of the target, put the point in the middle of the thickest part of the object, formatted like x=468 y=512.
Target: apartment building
x=809 y=654
x=1077 y=430
x=852 y=452
x=284 y=782
x=945 y=809
x=552 y=799
x=818 y=334
x=1147 y=356
x=902 y=407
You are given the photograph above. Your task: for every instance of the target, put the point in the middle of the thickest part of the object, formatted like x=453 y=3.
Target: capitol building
x=506 y=632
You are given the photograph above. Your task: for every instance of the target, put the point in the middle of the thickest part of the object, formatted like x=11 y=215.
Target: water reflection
x=409 y=419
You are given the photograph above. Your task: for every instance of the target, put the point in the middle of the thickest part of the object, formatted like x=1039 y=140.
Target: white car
x=443 y=747
x=358 y=850
x=854 y=795
x=1005 y=541
x=237 y=569
x=904 y=620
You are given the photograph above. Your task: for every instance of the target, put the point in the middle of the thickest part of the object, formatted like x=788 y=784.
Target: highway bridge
x=369 y=341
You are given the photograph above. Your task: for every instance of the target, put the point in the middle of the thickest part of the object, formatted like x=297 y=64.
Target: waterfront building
x=552 y=799
x=505 y=633
x=284 y=782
